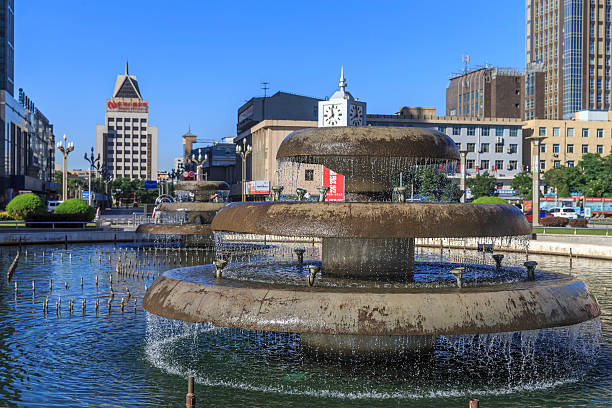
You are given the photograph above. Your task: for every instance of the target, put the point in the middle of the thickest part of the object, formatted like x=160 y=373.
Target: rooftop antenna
x=126 y=67
x=265 y=87
x=466 y=62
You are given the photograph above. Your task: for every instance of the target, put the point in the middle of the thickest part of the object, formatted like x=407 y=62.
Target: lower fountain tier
x=193 y=295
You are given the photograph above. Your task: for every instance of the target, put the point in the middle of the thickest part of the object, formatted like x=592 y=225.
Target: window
x=469 y=164
x=585 y=148
x=499 y=131
x=557 y=164
x=499 y=165
x=512 y=165
x=600 y=133
x=556 y=131
x=513 y=148
x=570 y=132
x=542 y=132
x=542 y=165
x=570 y=163
x=513 y=132
x=499 y=148
x=484 y=148
x=600 y=149
x=485 y=131
x=471 y=130
x=442 y=129
x=555 y=148
x=471 y=147
x=570 y=148
x=542 y=148
x=585 y=132
x=456 y=130
x=309 y=175
x=458 y=146
x=484 y=165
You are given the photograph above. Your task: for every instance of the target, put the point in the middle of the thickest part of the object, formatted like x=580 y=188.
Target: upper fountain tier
x=369 y=156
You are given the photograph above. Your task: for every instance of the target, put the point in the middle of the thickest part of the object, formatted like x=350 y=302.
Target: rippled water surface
x=131 y=358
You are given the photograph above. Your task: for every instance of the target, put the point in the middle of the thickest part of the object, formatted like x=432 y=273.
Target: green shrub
x=24 y=205
x=554 y=221
x=76 y=206
x=578 y=223
x=490 y=200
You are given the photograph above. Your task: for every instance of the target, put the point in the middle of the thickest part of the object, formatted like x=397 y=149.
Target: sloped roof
x=126 y=86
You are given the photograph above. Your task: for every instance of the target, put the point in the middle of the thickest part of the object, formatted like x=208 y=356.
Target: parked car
x=565 y=212
x=529 y=214
x=52 y=204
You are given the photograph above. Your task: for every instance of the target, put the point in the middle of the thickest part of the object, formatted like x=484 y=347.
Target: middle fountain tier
x=357 y=288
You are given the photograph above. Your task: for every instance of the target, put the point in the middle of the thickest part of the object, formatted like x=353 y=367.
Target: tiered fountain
x=356 y=286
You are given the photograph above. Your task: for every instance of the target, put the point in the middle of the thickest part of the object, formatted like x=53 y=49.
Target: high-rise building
x=126 y=142
x=567 y=56
x=487 y=92
x=7 y=50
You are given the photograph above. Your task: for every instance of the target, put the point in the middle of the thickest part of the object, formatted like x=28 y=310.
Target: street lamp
x=198 y=161
x=535 y=172
x=93 y=161
x=106 y=176
x=244 y=151
x=463 y=153
x=65 y=149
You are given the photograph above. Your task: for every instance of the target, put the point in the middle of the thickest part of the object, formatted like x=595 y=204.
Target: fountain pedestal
x=387 y=258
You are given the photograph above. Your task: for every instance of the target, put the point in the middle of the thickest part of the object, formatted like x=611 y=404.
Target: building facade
x=566 y=141
x=568 y=41
x=494 y=145
x=7 y=46
x=489 y=92
x=219 y=163
x=128 y=145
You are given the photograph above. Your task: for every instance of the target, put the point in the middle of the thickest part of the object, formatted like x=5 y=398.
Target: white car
x=52 y=204
x=565 y=212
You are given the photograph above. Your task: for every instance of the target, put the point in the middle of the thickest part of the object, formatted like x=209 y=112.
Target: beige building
x=566 y=141
x=266 y=137
x=126 y=142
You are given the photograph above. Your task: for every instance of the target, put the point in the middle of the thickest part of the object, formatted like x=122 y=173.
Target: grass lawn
x=570 y=231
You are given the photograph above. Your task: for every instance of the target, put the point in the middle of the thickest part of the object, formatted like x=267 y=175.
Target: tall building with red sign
x=126 y=142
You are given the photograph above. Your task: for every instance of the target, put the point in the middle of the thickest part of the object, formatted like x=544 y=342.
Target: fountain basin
x=194 y=295
x=202 y=189
x=196 y=212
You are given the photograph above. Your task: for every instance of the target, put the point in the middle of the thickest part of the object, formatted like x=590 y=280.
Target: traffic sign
x=191 y=174
x=85 y=195
x=185 y=174
x=151 y=184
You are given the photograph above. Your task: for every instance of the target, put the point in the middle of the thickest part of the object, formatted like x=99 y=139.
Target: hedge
x=56 y=219
x=76 y=206
x=578 y=222
x=24 y=205
x=554 y=221
x=489 y=200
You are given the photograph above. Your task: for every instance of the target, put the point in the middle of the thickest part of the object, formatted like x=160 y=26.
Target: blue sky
x=198 y=61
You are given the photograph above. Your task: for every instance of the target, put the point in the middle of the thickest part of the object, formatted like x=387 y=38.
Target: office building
x=568 y=42
x=566 y=141
x=494 y=145
x=126 y=142
x=488 y=92
x=219 y=163
x=7 y=46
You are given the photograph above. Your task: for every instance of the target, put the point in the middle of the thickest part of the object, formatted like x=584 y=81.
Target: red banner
x=335 y=182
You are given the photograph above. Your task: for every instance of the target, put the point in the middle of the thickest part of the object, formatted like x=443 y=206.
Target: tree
x=523 y=183
x=430 y=182
x=482 y=185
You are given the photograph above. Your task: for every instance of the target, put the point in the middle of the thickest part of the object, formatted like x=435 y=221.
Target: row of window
x=484 y=148
x=556 y=164
x=499 y=165
x=484 y=130
x=127 y=151
x=133 y=168
x=141 y=120
x=570 y=132
x=570 y=148
x=110 y=127
x=143 y=144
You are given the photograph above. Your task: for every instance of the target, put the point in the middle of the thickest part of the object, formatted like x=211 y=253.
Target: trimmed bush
x=76 y=206
x=554 y=221
x=489 y=200
x=578 y=223
x=4 y=216
x=24 y=205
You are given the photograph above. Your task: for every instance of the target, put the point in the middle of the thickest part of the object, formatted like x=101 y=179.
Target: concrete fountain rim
x=382 y=220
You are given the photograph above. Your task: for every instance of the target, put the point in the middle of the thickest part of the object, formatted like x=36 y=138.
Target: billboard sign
x=126 y=105
x=335 y=182
x=258 y=187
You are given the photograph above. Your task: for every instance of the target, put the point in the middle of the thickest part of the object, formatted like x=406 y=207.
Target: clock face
x=332 y=115
x=356 y=115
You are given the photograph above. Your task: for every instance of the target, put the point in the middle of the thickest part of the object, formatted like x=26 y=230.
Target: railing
x=29 y=224
x=138 y=219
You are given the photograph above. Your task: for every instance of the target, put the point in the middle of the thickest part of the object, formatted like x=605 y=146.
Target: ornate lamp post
x=93 y=161
x=65 y=149
x=244 y=151
x=198 y=161
x=535 y=173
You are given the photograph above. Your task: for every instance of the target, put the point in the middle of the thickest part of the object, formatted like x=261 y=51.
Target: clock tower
x=342 y=109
